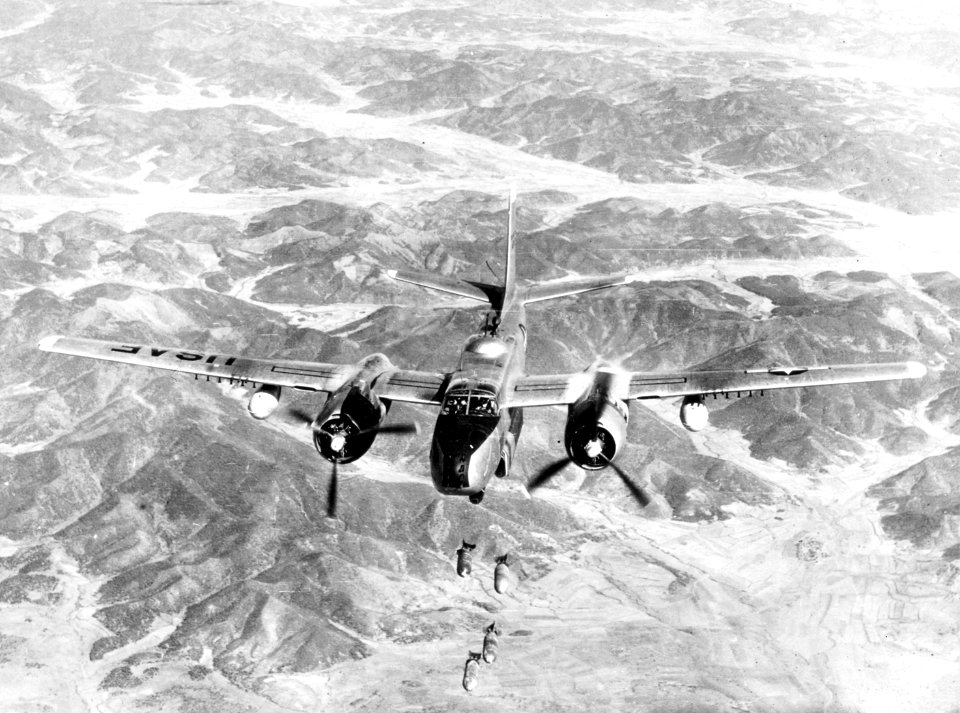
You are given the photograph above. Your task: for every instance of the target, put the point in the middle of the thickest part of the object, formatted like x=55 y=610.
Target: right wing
x=562 y=389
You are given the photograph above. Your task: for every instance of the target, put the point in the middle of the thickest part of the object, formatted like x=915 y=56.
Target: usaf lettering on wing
x=183 y=356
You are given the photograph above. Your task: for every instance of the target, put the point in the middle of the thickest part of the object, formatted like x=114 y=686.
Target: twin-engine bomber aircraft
x=482 y=399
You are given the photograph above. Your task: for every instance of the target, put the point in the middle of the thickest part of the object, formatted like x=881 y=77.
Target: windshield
x=469 y=403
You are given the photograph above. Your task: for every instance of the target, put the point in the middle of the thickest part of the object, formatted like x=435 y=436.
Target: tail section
x=498 y=297
x=494 y=295
x=549 y=291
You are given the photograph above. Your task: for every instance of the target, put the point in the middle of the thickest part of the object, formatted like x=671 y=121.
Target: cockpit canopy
x=470 y=402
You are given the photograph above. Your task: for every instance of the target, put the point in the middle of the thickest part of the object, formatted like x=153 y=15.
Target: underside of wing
x=649 y=386
x=303 y=375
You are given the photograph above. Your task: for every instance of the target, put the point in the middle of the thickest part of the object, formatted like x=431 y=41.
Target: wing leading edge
x=561 y=389
x=397 y=384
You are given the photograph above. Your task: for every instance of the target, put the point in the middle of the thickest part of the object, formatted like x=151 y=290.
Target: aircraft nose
x=461 y=468
x=479 y=466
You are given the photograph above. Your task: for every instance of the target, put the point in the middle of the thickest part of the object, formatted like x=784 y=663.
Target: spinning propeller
x=337 y=442
x=541 y=478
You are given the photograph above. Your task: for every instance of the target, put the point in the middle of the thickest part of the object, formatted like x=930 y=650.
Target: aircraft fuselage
x=475 y=432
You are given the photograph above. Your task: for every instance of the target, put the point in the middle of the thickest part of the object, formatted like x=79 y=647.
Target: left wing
x=563 y=389
x=400 y=385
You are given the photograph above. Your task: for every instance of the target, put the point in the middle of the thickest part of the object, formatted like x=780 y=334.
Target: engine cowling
x=694 y=414
x=264 y=401
x=344 y=430
x=596 y=430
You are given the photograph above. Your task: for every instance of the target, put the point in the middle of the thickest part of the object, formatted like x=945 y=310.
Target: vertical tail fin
x=510 y=274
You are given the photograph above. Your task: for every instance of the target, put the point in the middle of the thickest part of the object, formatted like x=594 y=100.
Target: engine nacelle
x=344 y=430
x=693 y=413
x=596 y=430
x=264 y=401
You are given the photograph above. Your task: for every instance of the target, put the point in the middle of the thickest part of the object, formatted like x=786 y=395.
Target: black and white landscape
x=235 y=176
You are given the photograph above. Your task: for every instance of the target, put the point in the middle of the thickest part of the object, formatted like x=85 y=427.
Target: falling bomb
x=491 y=643
x=471 y=671
x=502 y=578
x=465 y=558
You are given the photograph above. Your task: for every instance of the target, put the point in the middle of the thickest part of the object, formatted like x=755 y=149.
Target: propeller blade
x=547 y=473
x=636 y=491
x=390 y=428
x=386 y=428
x=332 y=493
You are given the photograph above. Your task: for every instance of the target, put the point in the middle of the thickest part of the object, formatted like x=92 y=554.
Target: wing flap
x=304 y=375
x=548 y=390
x=419 y=387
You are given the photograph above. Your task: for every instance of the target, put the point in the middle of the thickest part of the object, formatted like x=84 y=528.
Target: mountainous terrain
x=236 y=177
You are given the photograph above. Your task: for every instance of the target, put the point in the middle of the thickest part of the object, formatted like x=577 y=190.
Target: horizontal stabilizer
x=552 y=290
x=474 y=290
